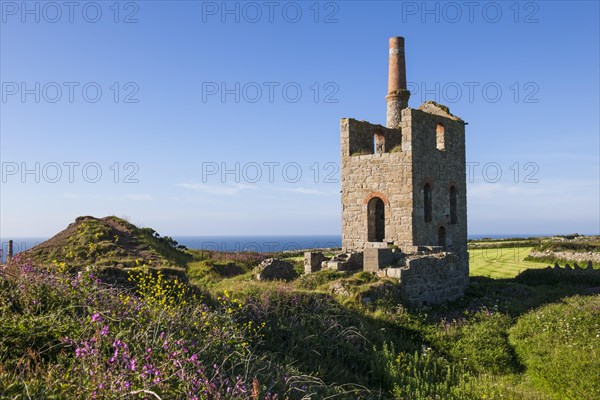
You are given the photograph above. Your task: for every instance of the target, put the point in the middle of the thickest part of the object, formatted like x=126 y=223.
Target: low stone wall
x=433 y=279
x=375 y=259
x=346 y=262
x=313 y=261
x=573 y=256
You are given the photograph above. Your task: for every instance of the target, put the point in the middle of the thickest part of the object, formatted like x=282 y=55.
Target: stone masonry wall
x=422 y=153
x=433 y=280
x=441 y=169
x=386 y=175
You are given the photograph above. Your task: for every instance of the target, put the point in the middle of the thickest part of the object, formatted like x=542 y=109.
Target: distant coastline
x=260 y=243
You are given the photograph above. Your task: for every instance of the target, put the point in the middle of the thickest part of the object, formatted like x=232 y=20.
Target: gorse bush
x=157 y=291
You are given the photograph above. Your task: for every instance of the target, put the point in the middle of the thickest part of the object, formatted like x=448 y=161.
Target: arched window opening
x=376 y=217
x=442 y=237
x=439 y=135
x=427 y=202
x=453 y=217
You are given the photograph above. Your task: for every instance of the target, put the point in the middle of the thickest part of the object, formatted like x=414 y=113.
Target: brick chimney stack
x=397 y=98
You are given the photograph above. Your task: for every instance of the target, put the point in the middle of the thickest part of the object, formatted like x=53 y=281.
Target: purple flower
x=104 y=330
x=96 y=318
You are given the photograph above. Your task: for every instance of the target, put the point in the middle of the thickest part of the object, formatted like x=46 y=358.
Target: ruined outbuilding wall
x=433 y=280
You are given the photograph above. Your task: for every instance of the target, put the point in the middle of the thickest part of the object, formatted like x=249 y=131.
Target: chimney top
x=396 y=42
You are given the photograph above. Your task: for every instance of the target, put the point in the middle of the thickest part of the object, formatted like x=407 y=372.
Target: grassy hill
x=108 y=241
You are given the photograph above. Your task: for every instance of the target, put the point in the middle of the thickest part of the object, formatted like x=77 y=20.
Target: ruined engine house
x=404 y=203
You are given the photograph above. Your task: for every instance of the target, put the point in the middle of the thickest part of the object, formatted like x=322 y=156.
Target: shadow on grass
x=530 y=289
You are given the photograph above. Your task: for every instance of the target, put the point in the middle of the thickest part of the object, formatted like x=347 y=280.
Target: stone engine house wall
x=387 y=175
x=397 y=173
x=444 y=170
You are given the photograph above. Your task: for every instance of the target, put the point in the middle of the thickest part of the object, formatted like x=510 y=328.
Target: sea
x=266 y=244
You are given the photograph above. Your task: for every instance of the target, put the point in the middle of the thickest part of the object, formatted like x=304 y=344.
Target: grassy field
x=221 y=334
x=501 y=262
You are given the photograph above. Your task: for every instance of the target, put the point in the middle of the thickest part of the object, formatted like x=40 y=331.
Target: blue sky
x=223 y=118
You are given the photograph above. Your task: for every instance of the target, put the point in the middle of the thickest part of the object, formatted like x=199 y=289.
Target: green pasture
x=501 y=262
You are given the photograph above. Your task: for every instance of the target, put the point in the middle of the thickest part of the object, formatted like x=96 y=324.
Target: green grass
x=560 y=347
x=529 y=336
x=501 y=262
x=467 y=349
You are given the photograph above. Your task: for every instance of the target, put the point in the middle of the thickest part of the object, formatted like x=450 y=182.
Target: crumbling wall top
x=434 y=108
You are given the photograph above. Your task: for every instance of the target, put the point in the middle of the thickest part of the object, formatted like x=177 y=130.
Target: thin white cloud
x=229 y=189
x=139 y=197
x=131 y=196
x=302 y=190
